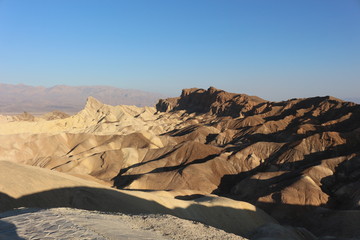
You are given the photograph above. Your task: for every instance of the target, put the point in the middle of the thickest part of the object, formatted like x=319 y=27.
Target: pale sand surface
x=66 y=223
x=28 y=186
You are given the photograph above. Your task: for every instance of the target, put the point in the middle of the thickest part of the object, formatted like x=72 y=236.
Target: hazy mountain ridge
x=353 y=99
x=70 y=99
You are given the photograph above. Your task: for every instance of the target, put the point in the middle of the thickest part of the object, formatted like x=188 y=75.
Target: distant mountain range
x=353 y=99
x=70 y=99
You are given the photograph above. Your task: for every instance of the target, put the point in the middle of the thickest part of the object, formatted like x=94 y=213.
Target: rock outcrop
x=213 y=101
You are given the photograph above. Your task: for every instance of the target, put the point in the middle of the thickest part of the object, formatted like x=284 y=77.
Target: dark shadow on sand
x=7 y=229
x=107 y=200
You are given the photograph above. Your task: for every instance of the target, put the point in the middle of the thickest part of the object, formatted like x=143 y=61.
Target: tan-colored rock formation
x=296 y=153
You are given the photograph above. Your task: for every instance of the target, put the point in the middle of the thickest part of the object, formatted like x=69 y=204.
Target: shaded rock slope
x=295 y=158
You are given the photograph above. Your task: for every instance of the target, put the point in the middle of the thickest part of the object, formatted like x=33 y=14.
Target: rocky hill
x=299 y=160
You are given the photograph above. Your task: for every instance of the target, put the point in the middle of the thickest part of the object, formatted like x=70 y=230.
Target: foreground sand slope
x=29 y=186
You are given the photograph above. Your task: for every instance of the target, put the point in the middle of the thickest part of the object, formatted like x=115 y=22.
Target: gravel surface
x=66 y=223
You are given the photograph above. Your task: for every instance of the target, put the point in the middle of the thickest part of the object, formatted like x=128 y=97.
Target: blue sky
x=270 y=48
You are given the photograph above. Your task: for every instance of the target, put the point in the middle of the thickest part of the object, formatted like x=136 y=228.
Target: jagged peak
x=93 y=103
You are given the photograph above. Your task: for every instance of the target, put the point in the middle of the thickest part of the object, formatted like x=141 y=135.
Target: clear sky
x=270 y=48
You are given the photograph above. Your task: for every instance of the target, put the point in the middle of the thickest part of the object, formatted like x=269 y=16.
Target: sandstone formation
x=213 y=101
x=298 y=159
